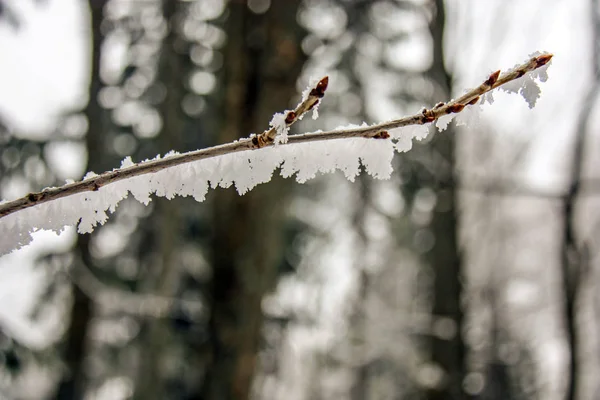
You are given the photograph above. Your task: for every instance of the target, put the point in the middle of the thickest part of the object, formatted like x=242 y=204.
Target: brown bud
x=290 y=117
x=319 y=90
x=427 y=116
x=255 y=141
x=493 y=78
x=474 y=101
x=455 y=108
x=542 y=60
x=381 y=135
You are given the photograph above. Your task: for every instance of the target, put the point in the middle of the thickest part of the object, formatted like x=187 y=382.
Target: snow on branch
x=250 y=161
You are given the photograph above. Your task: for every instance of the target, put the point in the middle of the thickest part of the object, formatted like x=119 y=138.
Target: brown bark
x=574 y=257
x=444 y=257
x=377 y=131
x=73 y=383
x=262 y=61
x=167 y=221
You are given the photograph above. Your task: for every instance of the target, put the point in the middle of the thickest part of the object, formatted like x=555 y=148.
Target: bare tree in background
x=447 y=349
x=262 y=62
x=576 y=266
x=74 y=383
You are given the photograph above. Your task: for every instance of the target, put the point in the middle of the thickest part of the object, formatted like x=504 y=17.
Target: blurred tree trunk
x=444 y=257
x=166 y=220
x=262 y=61
x=575 y=257
x=73 y=383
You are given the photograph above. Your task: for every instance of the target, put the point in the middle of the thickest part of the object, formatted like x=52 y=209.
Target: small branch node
x=474 y=101
x=455 y=108
x=381 y=135
x=290 y=117
x=427 y=116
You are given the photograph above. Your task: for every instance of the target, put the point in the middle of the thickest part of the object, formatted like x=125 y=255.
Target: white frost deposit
x=244 y=169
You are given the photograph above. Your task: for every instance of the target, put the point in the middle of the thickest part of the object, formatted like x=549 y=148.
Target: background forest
x=471 y=274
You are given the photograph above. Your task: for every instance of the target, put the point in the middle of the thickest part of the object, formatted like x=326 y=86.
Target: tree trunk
x=167 y=221
x=262 y=61
x=73 y=384
x=444 y=257
x=575 y=265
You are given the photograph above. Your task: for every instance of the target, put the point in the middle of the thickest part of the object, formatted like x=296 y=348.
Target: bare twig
x=267 y=138
x=142 y=304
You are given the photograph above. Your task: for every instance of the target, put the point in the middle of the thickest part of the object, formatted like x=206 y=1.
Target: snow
x=470 y=115
x=245 y=170
x=526 y=85
x=312 y=83
x=281 y=127
x=404 y=136
x=442 y=122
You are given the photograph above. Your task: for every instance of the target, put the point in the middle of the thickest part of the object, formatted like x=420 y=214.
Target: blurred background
x=471 y=274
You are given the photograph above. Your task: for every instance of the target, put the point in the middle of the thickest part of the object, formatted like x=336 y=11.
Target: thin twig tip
x=319 y=90
x=493 y=78
x=543 y=59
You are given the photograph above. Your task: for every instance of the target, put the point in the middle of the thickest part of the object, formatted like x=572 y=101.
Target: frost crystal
x=244 y=169
x=443 y=121
x=469 y=116
x=278 y=122
x=404 y=136
x=488 y=98
x=315 y=111
x=312 y=83
x=526 y=85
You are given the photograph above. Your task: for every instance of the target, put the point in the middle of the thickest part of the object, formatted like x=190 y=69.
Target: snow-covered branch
x=250 y=161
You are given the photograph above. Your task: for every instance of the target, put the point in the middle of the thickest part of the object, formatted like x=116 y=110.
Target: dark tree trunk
x=444 y=257
x=73 y=384
x=167 y=224
x=574 y=255
x=262 y=62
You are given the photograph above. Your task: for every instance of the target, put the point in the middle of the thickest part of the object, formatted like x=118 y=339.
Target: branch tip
x=542 y=59
x=319 y=90
x=267 y=138
x=493 y=78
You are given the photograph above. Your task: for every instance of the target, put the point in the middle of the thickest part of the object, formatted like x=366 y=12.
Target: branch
x=267 y=138
x=119 y=300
